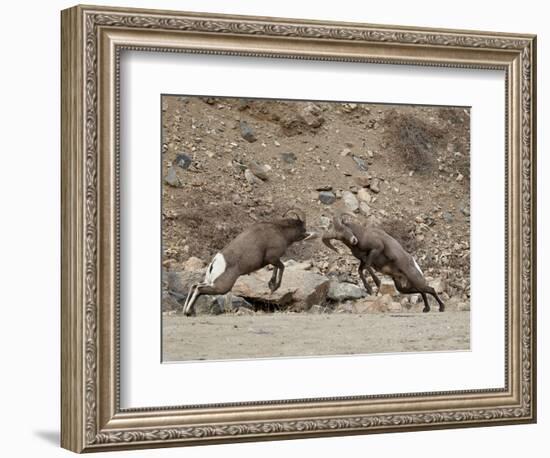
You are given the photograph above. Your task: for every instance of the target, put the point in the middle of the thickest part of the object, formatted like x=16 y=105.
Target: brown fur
x=376 y=249
x=261 y=244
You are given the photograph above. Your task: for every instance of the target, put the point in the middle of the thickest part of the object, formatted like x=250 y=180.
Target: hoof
x=441 y=309
x=425 y=310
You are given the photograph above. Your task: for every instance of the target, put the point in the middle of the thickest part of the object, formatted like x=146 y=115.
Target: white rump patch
x=215 y=269
x=418 y=267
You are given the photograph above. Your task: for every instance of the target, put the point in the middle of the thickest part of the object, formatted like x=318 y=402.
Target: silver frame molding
x=92 y=39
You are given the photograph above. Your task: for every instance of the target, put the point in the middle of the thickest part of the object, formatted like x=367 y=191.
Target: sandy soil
x=290 y=334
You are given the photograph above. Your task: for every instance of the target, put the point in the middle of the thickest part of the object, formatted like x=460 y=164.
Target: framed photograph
x=277 y=228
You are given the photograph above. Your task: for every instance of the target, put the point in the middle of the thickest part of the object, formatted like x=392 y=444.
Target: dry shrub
x=401 y=230
x=413 y=139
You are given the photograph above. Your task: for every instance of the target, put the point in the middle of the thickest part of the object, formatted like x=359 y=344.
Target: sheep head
x=341 y=232
x=297 y=220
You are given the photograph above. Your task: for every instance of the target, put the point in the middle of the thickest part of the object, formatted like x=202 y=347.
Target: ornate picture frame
x=92 y=40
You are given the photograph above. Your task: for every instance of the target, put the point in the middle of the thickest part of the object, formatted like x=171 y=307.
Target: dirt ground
x=291 y=334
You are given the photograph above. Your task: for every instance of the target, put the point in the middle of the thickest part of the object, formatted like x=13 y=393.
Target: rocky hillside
x=230 y=162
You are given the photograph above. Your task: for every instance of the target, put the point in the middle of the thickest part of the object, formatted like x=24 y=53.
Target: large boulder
x=207 y=305
x=299 y=288
x=169 y=302
x=179 y=282
x=343 y=291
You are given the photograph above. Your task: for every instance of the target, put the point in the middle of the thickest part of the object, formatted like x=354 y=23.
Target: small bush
x=413 y=139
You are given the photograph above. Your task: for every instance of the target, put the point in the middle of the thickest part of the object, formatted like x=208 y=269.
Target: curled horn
x=299 y=213
x=327 y=240
x=351 y=215
x=338 y=220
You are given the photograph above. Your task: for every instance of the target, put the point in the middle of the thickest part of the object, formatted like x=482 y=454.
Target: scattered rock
x=343 y=291
x=246 y=132
x=361 y=163
x=349 y=107
x=179 y=282
x=311 y=114
x=362 y=180
x=448 y=217
x=230 y=303
x=289 y=158
x=350 y=201
x=325 y=187
x=460 y=177
x=375 y=185
x=172 y=178
x=251 y=178
x=381 y=304
x=298 y=291
x=169 y=302
x=327 y=197
x=345 y=307
x=345 y=152
x=465 y=211
x=364 y=305
x=387 y=287
x=317 y=309
x=364 y=196
x=439 y=285
x=364 y=208
x=238 y=166
x=193 y=263
x=183 y=160
x=258 y=170
x=207 y=305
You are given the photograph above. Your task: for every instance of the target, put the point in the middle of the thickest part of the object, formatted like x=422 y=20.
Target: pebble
x=288 y=157
x=183 y=161
x=327 y=197
x=361 y=163
x=246 y=132
x=345 y=152
x=363 y=195
x=172 y=178
x=375 y=185
x=350 y=201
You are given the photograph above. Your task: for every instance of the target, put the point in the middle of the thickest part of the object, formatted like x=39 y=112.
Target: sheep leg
x=426 y=305
x=191 y=298
x=277 y=277
x=374 y=277
x=433 y=292
x=221 y=285
x=408 y=290
x=273 y=280
x=362 y=267
x=372 y=255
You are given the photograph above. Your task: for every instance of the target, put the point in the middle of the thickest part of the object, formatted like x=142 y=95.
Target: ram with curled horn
x=262 y=244
x=377 y=251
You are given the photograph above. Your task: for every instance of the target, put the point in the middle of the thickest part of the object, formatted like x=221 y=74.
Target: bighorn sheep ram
x=261 y=244
x=376 y=249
